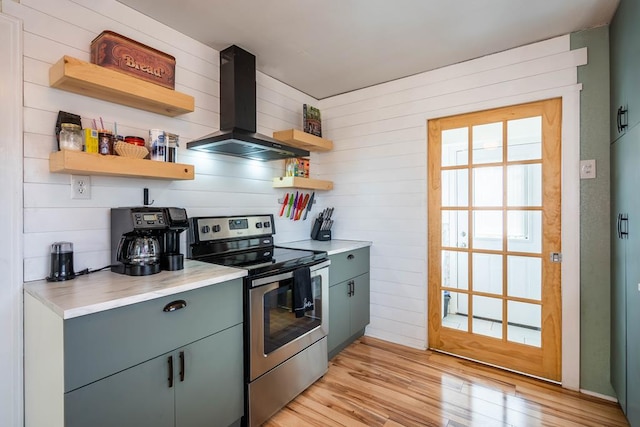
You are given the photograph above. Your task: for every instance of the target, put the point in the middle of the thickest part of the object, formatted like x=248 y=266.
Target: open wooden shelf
x=305 y=183
x=84 y=78
x=79 y=162
x=306 y=141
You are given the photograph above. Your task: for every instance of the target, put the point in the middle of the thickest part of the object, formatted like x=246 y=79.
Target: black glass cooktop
x=266 y=259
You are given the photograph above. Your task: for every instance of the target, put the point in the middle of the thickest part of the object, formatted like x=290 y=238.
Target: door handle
x=170 y=371
x=182 y=371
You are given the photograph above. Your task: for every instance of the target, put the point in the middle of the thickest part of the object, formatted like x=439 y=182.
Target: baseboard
x=599 y=396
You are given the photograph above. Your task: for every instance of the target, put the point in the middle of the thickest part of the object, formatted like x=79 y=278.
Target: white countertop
x=331 y=247
x=105 y=290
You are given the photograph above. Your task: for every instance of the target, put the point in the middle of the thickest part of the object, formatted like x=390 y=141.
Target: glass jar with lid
x=70 y=137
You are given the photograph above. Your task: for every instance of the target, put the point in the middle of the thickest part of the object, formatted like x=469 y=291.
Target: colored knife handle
x=284 y=204
x=290 y=204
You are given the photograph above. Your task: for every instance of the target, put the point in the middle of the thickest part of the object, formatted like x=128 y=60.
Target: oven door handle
x=288 y=275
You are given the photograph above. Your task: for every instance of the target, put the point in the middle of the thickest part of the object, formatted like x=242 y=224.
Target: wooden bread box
x=120 y=53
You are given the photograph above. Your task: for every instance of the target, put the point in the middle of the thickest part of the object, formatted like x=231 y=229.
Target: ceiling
x=328 y=47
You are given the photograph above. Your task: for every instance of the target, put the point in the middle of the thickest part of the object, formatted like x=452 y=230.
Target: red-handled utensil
x=302 y=206
x=310 y=204
x=284 y=204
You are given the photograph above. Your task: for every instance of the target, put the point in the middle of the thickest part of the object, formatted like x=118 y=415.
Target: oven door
x=276 y=334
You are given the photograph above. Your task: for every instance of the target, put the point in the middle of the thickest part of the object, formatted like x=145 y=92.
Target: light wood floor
x=375 y=383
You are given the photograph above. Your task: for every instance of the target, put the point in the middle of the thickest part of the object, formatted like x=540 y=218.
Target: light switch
x=587 y=169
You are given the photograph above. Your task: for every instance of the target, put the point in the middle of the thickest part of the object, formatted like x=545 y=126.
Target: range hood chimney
x=237 y=135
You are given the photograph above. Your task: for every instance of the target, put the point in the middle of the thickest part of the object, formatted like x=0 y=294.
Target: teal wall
x=595 y=262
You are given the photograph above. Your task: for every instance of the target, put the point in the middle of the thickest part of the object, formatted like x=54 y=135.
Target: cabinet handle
x=351 y=256
x=352 y=290
x=181 y=366
x=624 y=226
x=622 y=114
x=175 y=305
x=619 y=226
x=170 y=371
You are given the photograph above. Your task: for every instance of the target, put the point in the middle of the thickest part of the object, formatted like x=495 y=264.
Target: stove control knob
x=216 y=228
x=205 y=229
x=258 y=225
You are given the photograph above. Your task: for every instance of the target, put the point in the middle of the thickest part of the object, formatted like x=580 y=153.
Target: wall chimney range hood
x=237 y=135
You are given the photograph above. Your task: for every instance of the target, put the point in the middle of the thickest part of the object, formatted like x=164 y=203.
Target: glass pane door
x=494 y=203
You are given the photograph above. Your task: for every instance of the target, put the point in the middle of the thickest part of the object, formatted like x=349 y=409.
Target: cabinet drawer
x=104 y=343
x=348 y=264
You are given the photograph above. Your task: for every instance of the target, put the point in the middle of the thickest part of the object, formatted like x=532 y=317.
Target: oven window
x=281 y=325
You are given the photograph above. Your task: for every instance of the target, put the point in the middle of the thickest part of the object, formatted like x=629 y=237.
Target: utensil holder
x=320 y=235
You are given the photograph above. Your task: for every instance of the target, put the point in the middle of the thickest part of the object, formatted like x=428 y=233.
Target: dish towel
x=302 y=293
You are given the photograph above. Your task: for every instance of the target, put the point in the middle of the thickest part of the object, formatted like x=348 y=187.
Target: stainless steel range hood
x=237 y=135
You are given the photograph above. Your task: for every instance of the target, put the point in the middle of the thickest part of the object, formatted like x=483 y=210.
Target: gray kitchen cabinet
x=203 y=390
x=349 y=298
x=625 y=210
x=624 y=37
x=625 y=276
x=113 y=367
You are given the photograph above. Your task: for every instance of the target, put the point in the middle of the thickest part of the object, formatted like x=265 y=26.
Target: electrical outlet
x=80 y=187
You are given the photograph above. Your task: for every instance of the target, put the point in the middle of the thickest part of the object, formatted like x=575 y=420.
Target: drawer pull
x=351 y=256
x=175 y=305
x=170 y=371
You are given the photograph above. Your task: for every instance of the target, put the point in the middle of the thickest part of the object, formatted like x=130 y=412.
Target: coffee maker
x=146 y=240
x=135 y=240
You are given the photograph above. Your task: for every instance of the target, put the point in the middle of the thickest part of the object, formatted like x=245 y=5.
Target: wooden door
x=494 y=186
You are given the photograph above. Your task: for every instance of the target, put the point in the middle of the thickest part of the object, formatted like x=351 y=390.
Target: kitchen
x=385 y=147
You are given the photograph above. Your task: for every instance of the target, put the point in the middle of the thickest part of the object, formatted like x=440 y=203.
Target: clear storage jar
x=70 y=137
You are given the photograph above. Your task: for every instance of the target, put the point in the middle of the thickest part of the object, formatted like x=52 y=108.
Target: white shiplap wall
x=223 y=185
x=379 y=163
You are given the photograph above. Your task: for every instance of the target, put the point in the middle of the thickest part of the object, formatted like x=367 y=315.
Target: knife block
x=320 y=235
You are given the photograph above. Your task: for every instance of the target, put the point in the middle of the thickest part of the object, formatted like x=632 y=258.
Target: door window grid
x=493 y=225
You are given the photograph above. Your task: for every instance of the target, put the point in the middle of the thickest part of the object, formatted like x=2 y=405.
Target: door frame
x=11 y=219
x=570 y=213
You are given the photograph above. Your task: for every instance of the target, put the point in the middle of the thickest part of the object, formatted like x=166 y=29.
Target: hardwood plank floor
x=376 y=383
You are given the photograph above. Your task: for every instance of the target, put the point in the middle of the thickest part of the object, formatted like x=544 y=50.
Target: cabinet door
x=136 y=397
x=360 y=303
x=339 y=316
x=619 y=205
x=632 y=157
x=624 y=36
x=212 y=390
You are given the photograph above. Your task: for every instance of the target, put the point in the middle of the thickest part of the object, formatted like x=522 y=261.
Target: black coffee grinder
x=136 y=234
x=177 y=221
